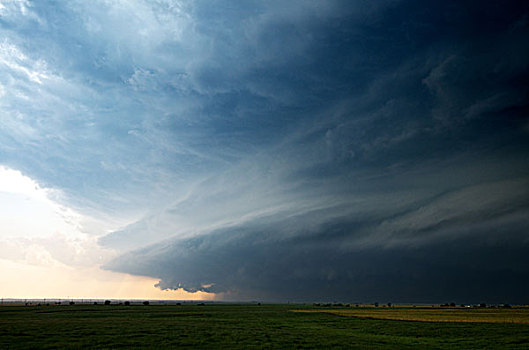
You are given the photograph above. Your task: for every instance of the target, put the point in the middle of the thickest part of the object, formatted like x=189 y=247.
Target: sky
x=340 y=150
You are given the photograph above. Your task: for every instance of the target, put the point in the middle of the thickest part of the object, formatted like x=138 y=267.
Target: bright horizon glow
x=23 y=281
x=45 y=253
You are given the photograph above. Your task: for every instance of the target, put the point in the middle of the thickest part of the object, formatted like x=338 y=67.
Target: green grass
x=237 y=326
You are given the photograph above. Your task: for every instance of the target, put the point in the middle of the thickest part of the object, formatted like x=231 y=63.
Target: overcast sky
x=273 y=150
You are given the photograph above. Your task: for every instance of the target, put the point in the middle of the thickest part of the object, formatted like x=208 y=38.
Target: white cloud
x=36 y=228
x=17 y=62
x=29 y=210
x=14 y=7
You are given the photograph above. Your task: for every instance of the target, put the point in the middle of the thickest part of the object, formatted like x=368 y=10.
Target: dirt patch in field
x=514 y=315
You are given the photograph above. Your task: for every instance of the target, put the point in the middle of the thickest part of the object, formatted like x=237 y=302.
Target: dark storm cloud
x=477 y=261
x=372 y=153
x=408 y=243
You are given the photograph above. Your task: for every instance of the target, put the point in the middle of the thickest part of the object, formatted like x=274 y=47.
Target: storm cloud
x=404 y=175
x=301 y=150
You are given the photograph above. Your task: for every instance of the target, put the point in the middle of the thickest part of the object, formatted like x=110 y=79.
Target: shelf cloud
x=337 y=150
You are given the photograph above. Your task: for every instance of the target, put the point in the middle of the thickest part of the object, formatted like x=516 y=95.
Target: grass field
x=251 y=326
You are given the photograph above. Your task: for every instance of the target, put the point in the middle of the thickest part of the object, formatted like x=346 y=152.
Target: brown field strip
x=429 y=314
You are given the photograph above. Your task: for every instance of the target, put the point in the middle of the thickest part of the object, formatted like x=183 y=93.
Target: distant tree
x=482 y=305
x=95 y=302
x=389 y=304
x=72 y=303
x=452 y=304
x=376 y=304
x=107 y=302
x=127 y=303
x=146 y=302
